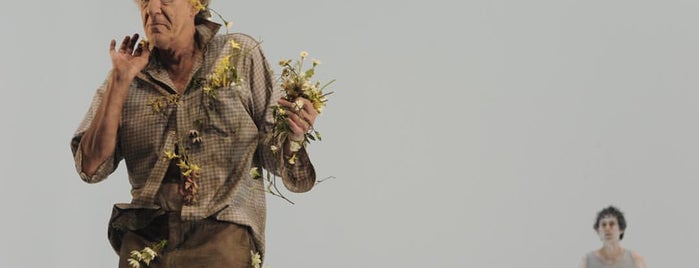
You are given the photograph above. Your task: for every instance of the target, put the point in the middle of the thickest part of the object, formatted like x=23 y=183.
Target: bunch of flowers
x=225 y=74
x=190 y=172
x=144 y=257
x=296 y=83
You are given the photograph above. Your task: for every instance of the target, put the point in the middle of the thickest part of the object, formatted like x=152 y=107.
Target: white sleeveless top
x=593 y=261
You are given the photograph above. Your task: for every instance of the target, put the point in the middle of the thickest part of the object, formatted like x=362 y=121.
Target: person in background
x=610 y=227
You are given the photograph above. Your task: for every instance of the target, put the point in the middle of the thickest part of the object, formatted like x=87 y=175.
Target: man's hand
x=302 y=115
x=130 y=59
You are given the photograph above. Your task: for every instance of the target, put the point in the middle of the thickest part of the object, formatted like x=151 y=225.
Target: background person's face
x=164 y=21
x=608 y=229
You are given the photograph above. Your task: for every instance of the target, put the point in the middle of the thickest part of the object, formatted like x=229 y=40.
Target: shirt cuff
x=102 y=171
x=300 y=176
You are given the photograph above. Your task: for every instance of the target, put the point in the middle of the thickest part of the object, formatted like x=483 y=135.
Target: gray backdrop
x=462 y=133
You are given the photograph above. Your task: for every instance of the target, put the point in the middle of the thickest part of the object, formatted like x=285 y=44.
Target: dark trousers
x=206 y=243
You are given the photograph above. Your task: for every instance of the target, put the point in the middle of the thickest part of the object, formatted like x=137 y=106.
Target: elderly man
x=189 y=113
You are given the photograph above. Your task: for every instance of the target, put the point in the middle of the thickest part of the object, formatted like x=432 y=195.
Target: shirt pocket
x=230 y=130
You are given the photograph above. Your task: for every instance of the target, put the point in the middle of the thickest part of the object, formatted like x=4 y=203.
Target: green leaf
x=234 y=75
x=327 y=84
x=309 y=73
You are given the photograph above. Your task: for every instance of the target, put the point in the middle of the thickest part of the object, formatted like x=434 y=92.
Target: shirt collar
x=205 y=31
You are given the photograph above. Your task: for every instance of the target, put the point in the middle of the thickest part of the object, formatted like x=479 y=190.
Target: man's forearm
x=99 y=141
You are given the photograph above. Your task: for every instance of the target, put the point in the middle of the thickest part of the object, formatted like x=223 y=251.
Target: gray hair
x=202 y=15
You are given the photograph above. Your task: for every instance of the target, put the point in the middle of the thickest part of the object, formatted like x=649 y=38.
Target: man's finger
x=285 y=103
x=307 y=117
x=307 y=105
x=132 y=43
x=139 y=50
x=112 y=45
x=295 y=127
x=124 y=43
x=301 y=122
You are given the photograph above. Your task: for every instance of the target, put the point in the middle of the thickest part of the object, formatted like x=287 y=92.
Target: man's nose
x=154 y=7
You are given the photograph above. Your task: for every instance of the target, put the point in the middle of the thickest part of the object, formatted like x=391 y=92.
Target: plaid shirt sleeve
x=111 y=163
x=299 y=177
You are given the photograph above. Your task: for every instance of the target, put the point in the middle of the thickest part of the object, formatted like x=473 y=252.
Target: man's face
x=167 y=21
x=609 y=229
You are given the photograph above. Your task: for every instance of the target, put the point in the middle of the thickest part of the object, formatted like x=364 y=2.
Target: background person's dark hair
x=616 y=213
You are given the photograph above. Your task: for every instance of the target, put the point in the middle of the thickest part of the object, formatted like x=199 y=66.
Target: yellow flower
x=316 y=62
x=255 y=173
x=157 y=104
x=134 y=263
x=285 y=73
x=197 y=5
x=256 y=259
x=304 y=54
x=284 y=62
x=318 y=106
x=220 y=76
x=292 y=160
x=150 y=252
x=295 y=146
x=194 y=168
x=281 y=111
x=171 y=155
x=235 y=45
x=229 y=24
x=135 y=254
x=148 y=255
x=183 y=165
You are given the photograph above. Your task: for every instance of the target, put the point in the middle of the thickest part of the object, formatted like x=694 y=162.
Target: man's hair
x=616 y=213
x=202 y=15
